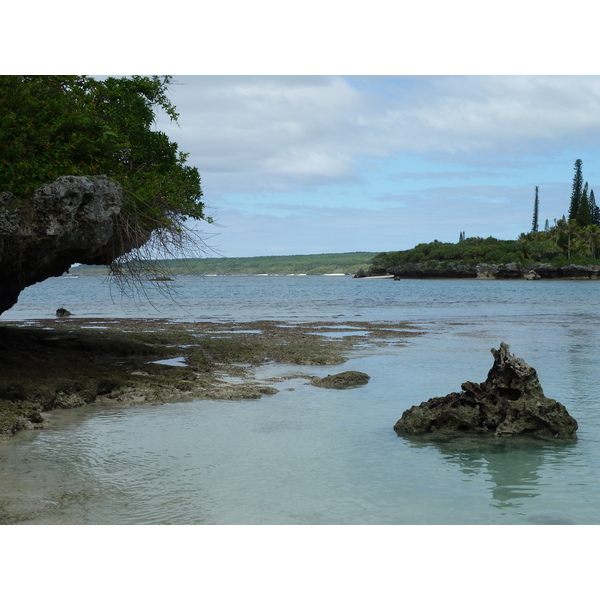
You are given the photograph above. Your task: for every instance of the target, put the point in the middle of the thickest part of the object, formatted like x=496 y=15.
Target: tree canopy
x=536 y=210
x=576 y=191
x=562 y=244
x=77 y=125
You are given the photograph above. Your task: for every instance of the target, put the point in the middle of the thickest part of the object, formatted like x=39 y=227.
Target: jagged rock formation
x=510 y=402
x=537 y=271
x=341 y=381
x=72 y=220
x=508 y=271
x=433 y=269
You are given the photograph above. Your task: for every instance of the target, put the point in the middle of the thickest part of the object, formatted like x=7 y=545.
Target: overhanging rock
x=72 y=220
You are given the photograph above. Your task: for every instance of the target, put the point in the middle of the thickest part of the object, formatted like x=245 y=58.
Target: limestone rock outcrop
x=434 y=269
x=72 y=220
x=510 y=402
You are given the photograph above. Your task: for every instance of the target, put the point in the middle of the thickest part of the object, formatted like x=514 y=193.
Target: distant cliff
x=73 y=220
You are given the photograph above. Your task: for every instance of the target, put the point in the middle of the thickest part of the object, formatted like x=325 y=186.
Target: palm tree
x=579 y=243
x=560 y=229
x=571 y=230
x=592 y=236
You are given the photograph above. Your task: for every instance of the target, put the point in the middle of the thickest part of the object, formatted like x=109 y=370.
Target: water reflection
x=513 y=465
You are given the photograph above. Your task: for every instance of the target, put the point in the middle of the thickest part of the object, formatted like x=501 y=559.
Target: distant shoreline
x=344 y=263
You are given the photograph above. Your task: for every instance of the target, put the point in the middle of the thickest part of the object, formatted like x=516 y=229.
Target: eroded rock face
x=69 y=221
x=509 y=402
x=532 y=271
x=433 y=270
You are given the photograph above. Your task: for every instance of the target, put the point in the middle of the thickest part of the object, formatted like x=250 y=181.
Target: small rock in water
x=341 y=381
x=509 y=402
x=62 y=312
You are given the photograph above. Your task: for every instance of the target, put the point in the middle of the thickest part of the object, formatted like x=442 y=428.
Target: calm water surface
x=314 y=456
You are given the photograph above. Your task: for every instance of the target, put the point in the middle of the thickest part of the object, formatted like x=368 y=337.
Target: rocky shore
x=63 y=363
x=450 y=270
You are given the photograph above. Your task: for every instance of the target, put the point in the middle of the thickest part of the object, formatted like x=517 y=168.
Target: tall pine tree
x=594 y=209
x=577 y=190
x=536 y=208
x=583 y=215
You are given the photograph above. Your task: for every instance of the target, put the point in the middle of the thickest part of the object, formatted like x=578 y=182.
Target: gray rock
x=375 y=271
x=72 y=220
x=510 y=402
x=433 y=269
x=501 y=271
x=531 y=271
x=62 y=312
x=340 y=381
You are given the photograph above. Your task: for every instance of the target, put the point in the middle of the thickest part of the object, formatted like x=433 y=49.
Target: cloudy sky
x=313 y=164
x=296 y=159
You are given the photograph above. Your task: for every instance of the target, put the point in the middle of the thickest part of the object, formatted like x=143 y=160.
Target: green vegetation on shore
x=563 y=244
x=574 y=240
x=307 y=264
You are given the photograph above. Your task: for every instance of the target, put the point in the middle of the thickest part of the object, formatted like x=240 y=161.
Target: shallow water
x=316 y=456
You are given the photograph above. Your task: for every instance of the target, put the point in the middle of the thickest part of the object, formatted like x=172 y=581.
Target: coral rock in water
x=510 y=402
x=341 y=381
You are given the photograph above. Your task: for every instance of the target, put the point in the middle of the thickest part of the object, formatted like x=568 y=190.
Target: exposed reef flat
x=63 y=363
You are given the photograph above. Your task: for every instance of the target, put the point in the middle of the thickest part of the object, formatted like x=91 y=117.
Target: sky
x=326 y=127
x=316 y=164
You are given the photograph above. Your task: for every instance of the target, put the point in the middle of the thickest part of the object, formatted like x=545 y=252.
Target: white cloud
x=497 y=114
x=276 y=133
x=270 y=132
x=397 y=160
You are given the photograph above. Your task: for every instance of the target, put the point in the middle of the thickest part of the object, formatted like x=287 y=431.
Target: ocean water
x=315 y=456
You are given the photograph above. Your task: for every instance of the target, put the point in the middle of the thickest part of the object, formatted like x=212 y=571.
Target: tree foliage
x=584 y=216
x=576 y=190
x=582 y=206
x=76 y=125
x=565 y=242
x=536 y=209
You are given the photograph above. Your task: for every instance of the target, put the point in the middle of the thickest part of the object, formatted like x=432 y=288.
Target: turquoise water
x=314 y=456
